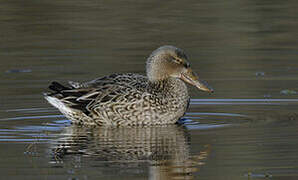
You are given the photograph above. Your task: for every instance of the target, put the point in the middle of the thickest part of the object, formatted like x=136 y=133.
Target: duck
x=128 y=99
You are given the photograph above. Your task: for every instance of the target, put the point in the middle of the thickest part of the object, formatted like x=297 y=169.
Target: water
x=247 y=51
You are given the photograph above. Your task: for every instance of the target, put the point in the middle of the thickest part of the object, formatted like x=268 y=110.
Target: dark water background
x=247 y=51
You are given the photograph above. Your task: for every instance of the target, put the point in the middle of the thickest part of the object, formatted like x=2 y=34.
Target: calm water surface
x=247 y=51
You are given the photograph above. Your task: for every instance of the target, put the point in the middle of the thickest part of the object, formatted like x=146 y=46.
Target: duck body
x=130 y=99
x=122 y=99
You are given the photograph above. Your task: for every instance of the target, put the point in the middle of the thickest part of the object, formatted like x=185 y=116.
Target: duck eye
x=178 y=61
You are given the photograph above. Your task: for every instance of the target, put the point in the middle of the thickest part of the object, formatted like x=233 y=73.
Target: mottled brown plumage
x=131 y=99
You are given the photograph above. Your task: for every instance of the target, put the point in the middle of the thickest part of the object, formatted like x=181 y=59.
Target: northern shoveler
x=161 y=97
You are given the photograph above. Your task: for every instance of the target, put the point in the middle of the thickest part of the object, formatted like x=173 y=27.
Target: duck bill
x=193 y=79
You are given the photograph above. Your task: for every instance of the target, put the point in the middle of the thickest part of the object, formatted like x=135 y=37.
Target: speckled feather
x=124 y=99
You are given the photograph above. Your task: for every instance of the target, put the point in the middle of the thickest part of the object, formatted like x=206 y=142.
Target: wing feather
x=105 y=90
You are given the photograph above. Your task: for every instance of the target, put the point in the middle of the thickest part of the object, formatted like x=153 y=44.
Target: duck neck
x=169 y=85
x=157 y=84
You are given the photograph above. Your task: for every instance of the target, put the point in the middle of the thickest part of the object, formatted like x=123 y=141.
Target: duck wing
x=105 y=90
x=129 y=79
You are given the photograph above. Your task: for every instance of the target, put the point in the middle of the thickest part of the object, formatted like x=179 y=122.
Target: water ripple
x=49 y=125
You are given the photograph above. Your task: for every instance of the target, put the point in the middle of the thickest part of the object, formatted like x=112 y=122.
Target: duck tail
x=57 y=87
x=55 y=97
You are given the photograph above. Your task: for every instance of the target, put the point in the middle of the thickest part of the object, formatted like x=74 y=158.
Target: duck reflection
x=164 y=148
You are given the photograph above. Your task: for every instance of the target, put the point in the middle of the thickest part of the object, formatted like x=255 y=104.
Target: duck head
x=171 y=62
